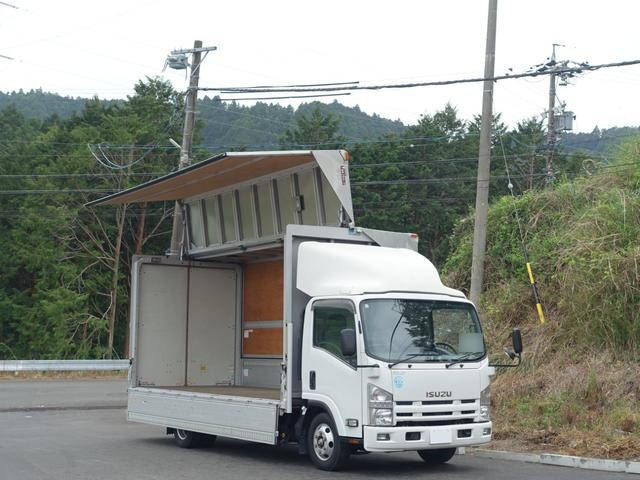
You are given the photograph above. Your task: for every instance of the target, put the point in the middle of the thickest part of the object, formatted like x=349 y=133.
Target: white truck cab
x=397 y=358
x=282 y=322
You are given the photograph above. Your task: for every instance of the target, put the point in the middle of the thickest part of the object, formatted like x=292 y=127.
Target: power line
x=232 y=89
x=413 y=181
x=55 y=192
x=427 y=162
x=421 y=181
x=453 y=160
x=537 y=73
x=76 y=175
x=354 y=165
x=281 y=98
x=250 y=115
x=398 y=139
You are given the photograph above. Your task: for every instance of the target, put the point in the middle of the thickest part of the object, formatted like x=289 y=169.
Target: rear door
x=183 y=329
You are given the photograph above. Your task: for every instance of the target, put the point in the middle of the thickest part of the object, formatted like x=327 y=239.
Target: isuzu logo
x=440 y=394
x=343 y=174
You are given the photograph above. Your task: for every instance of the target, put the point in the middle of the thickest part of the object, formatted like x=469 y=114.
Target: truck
x=280 y=321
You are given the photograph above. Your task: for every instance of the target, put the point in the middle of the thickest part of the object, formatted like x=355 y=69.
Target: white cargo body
x=283 y=322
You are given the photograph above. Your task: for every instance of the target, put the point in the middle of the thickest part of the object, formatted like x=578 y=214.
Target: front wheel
x=434 y=457
x=324 y=446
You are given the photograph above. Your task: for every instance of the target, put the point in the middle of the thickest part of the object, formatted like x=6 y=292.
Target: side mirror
x=348 y=342
x=516 y=338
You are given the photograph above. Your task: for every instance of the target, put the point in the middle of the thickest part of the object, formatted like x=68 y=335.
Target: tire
x=325 y=448
x=435 y=457
x=207 y=440
x=186 y=438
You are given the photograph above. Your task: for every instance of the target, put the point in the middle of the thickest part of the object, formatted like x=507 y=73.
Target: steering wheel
x=330 y=347
x=445 y=346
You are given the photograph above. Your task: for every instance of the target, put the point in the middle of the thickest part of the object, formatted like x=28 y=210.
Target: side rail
x=62 y=365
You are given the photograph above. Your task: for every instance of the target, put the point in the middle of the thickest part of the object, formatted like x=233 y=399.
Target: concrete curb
x=560 y=460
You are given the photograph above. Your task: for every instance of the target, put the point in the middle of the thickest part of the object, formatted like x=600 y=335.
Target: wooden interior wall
x=262 y=302
x=262 y=341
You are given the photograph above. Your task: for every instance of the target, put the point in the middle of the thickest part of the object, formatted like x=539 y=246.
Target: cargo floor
x=252 y=392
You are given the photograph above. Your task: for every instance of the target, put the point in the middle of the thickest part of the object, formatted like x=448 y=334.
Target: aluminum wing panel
x=335 y=166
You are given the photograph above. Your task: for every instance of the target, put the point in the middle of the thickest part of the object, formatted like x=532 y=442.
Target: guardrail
x=62 y=365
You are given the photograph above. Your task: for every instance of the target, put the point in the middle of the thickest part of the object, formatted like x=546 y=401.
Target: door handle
x=312 y=380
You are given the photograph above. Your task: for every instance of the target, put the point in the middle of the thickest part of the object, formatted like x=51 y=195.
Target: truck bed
x=251 y=392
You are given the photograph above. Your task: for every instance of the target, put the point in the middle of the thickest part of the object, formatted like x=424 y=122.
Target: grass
x=578 y=390
x=588 y=408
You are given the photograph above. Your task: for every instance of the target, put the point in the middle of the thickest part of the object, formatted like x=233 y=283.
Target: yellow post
x=534 y=288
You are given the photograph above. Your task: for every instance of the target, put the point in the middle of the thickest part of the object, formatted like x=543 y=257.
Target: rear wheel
x=187 y=438
x=434 y=457
x=324 y=446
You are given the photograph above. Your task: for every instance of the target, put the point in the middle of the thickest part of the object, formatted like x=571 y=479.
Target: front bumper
x=445 y=436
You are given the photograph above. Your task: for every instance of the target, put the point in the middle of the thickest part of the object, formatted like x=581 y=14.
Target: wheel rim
x=323 y=442
x=182 y=435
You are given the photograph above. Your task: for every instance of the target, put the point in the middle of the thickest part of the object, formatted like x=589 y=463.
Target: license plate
x=440 y=436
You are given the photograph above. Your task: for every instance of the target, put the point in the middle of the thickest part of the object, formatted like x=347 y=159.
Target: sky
x=89 y=47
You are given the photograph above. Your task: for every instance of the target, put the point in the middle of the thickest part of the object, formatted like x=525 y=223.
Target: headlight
x=485 y=405
x=380 y=406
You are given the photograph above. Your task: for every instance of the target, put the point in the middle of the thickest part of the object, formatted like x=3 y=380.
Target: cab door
x=329 y=377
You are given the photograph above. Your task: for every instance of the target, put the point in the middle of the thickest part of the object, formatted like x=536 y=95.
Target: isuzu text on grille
x=441 y=394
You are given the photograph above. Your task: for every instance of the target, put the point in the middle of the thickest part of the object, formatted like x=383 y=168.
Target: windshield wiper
x=427 y=354
x=464 y=357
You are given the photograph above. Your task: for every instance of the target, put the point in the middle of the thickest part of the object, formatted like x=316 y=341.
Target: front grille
x=435 y=412
x=433 y=423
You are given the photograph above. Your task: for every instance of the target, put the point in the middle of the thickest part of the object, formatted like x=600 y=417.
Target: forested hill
x=598 y=140
x=40 y=105
x=225 y=126
x=230 y=125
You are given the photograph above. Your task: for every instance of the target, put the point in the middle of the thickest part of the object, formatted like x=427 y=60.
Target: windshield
x=421 y=330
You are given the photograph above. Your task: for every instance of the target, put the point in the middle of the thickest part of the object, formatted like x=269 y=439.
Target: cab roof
x=346 y=269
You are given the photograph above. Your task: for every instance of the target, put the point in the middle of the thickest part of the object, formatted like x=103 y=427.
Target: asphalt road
x=75 y=436
x=62 y=394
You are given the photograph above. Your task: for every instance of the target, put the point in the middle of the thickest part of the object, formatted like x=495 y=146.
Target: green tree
x=316 y=130
x=64 y=290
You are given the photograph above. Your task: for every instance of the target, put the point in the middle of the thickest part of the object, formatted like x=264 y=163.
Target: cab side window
x=330 y=317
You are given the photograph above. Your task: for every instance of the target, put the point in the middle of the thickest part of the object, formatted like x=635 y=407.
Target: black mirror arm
x=508 y=365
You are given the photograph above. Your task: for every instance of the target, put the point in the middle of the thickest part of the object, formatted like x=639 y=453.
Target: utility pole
x=551 y=130
x=189 y=123
x=484 y=160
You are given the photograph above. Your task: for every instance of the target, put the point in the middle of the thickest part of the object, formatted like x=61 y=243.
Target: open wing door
x=243 y=201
